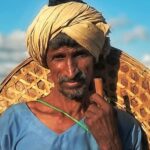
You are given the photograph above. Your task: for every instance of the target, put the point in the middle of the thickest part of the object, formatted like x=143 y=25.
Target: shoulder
x=126 y=120
x=13 y=114
x=15 y=119
x=14 y=110
x=12 y=125
x=125 y=116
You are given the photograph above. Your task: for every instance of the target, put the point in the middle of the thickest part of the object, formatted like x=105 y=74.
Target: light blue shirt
x=20 y=129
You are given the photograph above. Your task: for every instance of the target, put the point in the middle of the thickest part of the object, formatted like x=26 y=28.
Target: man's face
x=71 y=70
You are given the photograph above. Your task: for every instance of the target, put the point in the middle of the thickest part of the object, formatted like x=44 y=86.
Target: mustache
x=78 y=77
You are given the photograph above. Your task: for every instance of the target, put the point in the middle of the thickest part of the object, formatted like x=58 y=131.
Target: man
x=68 y=39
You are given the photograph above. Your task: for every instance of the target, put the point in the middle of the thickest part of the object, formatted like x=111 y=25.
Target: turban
x=78 y=20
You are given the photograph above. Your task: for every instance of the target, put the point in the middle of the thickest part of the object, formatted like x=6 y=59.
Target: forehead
x=67 y=49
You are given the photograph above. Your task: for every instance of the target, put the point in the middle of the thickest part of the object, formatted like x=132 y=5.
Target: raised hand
x=101 y=121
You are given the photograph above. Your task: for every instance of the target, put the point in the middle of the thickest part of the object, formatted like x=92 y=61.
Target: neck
x=73 y=107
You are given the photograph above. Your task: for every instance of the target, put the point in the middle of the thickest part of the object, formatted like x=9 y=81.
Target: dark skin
x=99 y=116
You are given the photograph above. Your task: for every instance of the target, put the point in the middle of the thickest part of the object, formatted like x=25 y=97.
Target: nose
x=71 y=68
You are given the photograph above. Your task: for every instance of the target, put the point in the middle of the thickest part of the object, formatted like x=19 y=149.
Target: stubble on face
x=76 y=92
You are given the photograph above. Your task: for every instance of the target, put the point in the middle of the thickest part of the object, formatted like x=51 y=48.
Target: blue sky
x=129 y=20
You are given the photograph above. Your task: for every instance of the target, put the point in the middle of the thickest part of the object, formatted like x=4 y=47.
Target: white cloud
x=137 y=33
x=15 y=56
x=6 y=69
x=1 y=39
x=118 y=21
x=7 y=66
x=146 y=60
x=12 y=51
x=15 y=40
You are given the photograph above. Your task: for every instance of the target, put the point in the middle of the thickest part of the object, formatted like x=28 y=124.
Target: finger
x=98 y=100
x=89 y=114
x=92 y=103
x=94 y=108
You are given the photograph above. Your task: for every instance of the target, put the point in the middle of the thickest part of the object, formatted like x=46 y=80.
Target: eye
x=81 y=54
x=58 y=57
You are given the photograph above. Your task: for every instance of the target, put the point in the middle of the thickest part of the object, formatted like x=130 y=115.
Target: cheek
x=87 y=68
x=56 y=70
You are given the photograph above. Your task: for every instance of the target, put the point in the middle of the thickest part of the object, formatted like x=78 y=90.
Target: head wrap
x=78 y=20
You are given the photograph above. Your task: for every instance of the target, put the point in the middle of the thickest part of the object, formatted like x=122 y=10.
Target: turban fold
x=79 y=21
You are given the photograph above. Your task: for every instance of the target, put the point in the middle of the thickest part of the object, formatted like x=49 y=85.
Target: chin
x=74 y=94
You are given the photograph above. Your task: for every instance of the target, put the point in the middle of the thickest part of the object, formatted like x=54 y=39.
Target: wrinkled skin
x=72 y=72
x=100 y=118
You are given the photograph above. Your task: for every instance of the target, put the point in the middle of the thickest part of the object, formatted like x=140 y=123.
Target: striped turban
x=78 y=20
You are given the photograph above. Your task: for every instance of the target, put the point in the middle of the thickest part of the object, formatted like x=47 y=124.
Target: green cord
x=63 y=112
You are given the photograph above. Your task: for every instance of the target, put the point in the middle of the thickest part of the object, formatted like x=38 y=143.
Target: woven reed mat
x=126 y=84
